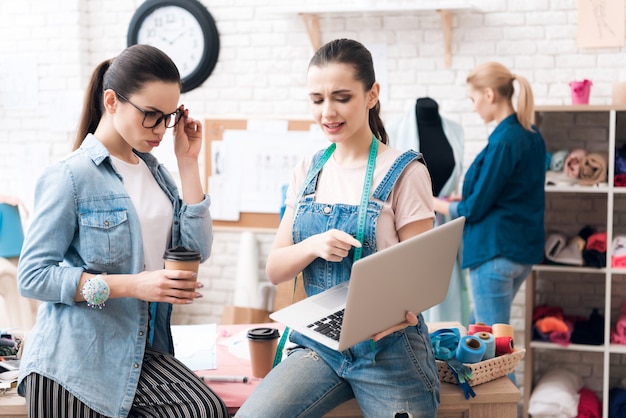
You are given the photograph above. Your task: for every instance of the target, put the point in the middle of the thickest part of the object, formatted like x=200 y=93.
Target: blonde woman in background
x=503 y=194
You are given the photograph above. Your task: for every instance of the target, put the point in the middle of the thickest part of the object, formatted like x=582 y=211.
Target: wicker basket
x=486 y=370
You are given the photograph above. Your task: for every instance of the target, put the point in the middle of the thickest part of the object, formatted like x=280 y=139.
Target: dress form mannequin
x=441 y=139
x=434 y=143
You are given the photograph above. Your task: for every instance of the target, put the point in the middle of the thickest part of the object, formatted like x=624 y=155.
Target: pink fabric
x=589 y=405
x=597 y=242
x=618 y=332
x=573 y=162
x=562 y=338
x=618 y=261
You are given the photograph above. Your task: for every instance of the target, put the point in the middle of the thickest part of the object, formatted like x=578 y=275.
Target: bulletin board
x=214 y=130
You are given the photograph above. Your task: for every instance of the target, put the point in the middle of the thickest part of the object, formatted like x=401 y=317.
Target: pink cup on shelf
x=580 y=91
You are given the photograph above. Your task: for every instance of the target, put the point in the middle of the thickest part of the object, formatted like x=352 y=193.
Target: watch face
x=176 y=32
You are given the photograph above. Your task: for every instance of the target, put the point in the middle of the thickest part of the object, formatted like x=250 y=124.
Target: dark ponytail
x=348 y=51
x=93 y=106
x=126 y=74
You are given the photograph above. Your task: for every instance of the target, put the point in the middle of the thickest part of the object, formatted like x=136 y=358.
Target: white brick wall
x=49 y=48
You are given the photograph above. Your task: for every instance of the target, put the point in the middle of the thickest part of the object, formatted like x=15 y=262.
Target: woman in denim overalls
x=394 y=374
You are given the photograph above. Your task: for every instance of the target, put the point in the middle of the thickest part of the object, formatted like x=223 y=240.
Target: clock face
x=184 y=30
x=176 y=32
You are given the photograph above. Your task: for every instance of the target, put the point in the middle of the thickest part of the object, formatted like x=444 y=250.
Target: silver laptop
x=412 y=275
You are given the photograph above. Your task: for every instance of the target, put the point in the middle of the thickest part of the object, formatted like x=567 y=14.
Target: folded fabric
x=619 y=180
x=559 y=178
x=541 y=311
x=559 y=251
x=586 y=231
x=618 y=262
x=617 y=403
x=589 y=405
x=551 y=324
x=618 y=331
x=593 y=258
x=593 y=169
x=557 y=161
x=620 y=161
x=597 y=242
x=556 y=395
x=573 y=161
x=589 y=331
x=540 y=336
x=618 y=247
x=562 y=338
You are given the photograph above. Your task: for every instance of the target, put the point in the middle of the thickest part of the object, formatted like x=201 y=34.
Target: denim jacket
x=85 y=220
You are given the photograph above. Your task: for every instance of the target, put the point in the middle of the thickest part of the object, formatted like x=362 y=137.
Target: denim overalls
x=393 y=376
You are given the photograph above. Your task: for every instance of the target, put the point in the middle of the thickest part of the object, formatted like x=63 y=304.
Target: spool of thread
x=478 y=327
x=504 y=345
x=470 y=350
x=502 y=330
x=490 y=344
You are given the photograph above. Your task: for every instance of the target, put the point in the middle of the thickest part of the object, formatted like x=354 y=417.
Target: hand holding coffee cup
x=182 y=258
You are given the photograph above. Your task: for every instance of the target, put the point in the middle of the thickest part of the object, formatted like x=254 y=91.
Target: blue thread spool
x=11 y=232
x=490 y=344
x=470 y=350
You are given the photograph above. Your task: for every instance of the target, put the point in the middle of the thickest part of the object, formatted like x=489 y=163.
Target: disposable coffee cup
x=262 y=343
x=181 y=258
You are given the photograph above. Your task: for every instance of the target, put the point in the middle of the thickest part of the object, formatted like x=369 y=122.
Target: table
x=496 y=399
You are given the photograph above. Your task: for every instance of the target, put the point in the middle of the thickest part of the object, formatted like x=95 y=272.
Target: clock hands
x=177 y=37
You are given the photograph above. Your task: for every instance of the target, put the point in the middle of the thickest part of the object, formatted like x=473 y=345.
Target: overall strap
x=386 y=185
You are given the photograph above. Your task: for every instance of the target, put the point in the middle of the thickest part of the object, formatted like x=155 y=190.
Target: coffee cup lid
x=263 y=334
x=181 y=254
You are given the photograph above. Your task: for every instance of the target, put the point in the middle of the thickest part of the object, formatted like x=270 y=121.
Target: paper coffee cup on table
x=262 y=343
x=181 y=258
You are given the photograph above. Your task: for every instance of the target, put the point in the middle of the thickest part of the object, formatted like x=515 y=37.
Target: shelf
x=613 y=348
x=571 y=347
x=568 y=269
x=310 y=15
x=591 y=127
x=580 y=108
x=617 y=349
x=575 y=188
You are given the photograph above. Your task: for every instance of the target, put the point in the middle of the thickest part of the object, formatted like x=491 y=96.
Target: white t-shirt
x=153 y=207
x=411 y=198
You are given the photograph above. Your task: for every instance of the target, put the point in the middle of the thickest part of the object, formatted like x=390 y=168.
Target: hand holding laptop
x=411 y=321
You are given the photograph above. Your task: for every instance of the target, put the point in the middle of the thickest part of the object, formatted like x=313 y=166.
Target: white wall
x=49 y=47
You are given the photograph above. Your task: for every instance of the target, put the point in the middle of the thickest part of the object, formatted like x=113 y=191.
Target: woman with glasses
x=104 y=215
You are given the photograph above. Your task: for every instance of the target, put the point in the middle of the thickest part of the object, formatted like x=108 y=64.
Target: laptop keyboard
x=330 y=326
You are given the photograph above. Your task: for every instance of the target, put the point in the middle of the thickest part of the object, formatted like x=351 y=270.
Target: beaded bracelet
x=95 y=291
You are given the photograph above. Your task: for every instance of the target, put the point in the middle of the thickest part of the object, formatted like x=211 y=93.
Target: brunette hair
x=126 y=74
x=348 y=51
x=498 y=77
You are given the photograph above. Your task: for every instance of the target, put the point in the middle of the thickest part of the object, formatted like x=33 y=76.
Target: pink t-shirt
x=411 y=198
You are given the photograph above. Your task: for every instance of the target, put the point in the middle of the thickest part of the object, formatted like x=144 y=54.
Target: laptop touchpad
x=333 y=298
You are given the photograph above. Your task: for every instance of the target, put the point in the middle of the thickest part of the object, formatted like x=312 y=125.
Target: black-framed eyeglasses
x=153 y=118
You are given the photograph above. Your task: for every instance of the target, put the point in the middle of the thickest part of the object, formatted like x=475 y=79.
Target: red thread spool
x=504 y=345
x=478 y=327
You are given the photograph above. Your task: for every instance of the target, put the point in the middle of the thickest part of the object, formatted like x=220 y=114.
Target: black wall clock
x=184 y=30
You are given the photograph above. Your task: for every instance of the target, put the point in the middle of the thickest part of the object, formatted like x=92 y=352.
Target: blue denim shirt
x=85 y=220
x=503 y=198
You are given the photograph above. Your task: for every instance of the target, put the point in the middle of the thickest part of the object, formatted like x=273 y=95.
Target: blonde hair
x=496 y=76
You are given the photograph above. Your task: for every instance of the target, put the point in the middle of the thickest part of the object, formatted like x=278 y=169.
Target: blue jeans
x=401 y=379
x=494 y=284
